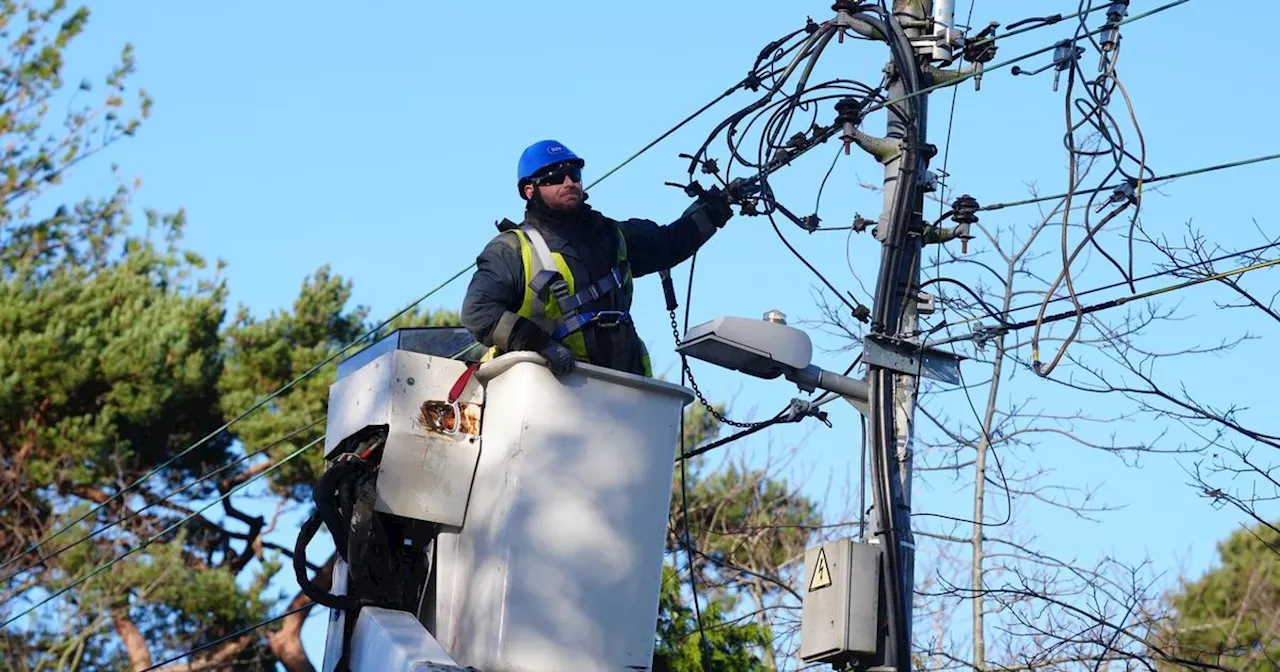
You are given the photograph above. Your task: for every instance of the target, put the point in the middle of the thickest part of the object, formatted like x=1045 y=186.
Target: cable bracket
x=912 y=359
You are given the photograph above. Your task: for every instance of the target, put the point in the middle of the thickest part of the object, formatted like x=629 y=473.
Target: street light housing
x=768 y=349
x=760 y=348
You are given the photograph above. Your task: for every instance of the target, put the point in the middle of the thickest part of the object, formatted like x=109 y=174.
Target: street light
x=768 y=349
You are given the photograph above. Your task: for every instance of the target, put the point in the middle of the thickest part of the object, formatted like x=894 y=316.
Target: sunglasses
x=556 y=176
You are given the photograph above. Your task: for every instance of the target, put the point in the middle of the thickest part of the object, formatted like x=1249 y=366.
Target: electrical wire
x=36 y=546
x=970 y=75
x=235 y=635
x=745 y=82
x=781 y=417
x=1042 y=22
x=785 y=416
x=1000 y=318
x=982 y=426
x=1143 y=295
x=1095 y=113
x=45 y=558
x=1152 y=180
x=946 y=152
x=1114 y=303
x=990 y=444
x=684 y=483
x=261 y=403
x=808 y=265
x=165 y=531
x=887 y=313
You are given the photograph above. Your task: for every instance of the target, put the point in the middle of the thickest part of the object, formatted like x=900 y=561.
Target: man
x=559 y=283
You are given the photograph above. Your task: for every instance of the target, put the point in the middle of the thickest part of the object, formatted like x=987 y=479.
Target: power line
x=664 y=136
x=273 y=395
x=1044 y=22
x=319 y=366
x=1143 y=295
x=1162 y=178
x=1122 y=283
x=233 y=421
x=967 y=76
x=45 y=558
x=152 y=539
x=830 y=131
x=234 y=635
x=337 y=354
x=753 y=77
x=1113 y=303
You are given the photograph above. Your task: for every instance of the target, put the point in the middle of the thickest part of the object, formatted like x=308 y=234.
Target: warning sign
x=821 y=573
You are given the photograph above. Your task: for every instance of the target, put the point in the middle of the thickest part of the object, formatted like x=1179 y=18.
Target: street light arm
x=811 y=378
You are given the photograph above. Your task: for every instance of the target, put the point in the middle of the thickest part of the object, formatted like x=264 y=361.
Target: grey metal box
x=841 y=601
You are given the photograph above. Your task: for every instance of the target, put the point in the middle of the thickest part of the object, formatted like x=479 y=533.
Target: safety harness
x=548 y=284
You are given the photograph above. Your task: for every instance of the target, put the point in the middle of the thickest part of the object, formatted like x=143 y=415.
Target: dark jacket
x=589 y=245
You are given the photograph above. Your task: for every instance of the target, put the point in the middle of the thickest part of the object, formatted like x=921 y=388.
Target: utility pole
x=898 y=307
x=857 y=605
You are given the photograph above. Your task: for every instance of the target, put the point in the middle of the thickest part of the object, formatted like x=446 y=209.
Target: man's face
x=560 y=188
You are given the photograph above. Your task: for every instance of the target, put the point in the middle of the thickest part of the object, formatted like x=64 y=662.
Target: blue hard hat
x=541 y=154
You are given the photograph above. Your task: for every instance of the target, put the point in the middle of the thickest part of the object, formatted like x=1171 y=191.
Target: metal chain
x=684 y=361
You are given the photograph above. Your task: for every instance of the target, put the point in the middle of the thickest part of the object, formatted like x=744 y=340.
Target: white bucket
x=558 y=564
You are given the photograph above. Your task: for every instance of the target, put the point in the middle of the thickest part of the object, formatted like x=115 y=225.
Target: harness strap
x=548 y=277
x=596 y=290
x=604 y=318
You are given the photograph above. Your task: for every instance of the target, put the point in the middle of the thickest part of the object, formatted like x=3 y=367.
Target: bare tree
x=988 y=596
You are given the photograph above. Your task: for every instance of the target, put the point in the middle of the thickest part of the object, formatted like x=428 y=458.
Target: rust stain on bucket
x=442 y=418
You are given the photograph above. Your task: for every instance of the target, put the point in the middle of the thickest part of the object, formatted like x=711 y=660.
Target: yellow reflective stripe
x=526 y=262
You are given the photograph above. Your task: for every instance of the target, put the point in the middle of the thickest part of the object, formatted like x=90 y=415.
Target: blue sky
x=383 y=141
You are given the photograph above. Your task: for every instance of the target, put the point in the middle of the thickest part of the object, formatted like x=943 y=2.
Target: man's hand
x=559 y=358
x=716 y=205
x=710 y=211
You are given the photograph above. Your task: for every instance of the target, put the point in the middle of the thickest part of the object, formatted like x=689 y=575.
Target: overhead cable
x=235 y=635
x=1143 y=295
x=747 y=81
x=1113 y=303
x=263 y=402
x=132 y=514
x=1150 y=276
x=1094 y=106
x=971 y=75
x=1152 y=180
x=161 y=533
x=34 y=547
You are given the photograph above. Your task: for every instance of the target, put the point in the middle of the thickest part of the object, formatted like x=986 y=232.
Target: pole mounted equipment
x=964 y=212
x=1065 y=55
x=1111 y=32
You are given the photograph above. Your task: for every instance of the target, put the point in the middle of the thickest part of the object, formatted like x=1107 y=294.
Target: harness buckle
x=609 y=319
